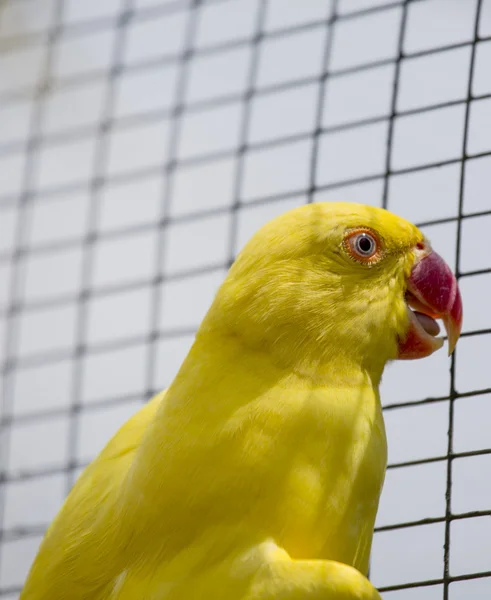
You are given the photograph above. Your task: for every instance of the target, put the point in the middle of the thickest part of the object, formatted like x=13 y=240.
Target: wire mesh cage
x=142 y=142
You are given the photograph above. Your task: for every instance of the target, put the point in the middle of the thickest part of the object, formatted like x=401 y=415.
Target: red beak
x=433 y=292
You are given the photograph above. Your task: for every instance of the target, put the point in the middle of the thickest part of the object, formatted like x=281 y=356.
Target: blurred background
x=142 y=142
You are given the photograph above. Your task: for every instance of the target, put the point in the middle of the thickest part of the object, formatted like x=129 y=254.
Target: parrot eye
x=363 y=245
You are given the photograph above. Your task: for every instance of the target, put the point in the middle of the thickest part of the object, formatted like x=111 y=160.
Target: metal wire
x=453 y=392
x=180 y=108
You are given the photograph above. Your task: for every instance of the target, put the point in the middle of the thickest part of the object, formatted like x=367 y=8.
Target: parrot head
x=344 y=281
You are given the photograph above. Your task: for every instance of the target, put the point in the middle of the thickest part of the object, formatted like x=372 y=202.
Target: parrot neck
x=325 y=357
x=316 y=336
x=294 y=356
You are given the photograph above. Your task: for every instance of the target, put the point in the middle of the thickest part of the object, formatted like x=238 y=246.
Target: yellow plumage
x=257 y=474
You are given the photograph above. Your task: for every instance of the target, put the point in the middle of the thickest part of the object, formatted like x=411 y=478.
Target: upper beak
x=432 y=289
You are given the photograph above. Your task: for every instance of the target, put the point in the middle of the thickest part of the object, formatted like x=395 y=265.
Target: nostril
x=421 y=246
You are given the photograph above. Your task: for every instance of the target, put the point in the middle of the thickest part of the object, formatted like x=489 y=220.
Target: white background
x=96 y=194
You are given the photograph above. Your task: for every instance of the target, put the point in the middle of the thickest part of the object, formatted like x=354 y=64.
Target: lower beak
x=432 y=291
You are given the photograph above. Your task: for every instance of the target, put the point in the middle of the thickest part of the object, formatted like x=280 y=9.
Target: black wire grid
x=81 y=348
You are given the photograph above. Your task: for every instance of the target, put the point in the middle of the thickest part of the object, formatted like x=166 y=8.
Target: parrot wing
x=80 y=527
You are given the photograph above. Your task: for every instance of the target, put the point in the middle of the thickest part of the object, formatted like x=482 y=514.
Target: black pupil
x=365 y=244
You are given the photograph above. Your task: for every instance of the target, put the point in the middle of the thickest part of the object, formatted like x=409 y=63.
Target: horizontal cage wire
x=142 y=142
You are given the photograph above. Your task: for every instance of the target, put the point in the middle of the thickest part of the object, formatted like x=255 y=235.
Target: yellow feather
x=257 y=474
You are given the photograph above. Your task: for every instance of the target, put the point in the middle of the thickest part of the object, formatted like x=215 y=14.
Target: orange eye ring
x=363 y=245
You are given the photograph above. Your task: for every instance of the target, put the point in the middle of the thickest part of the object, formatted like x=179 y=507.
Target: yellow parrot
x=256 y=475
